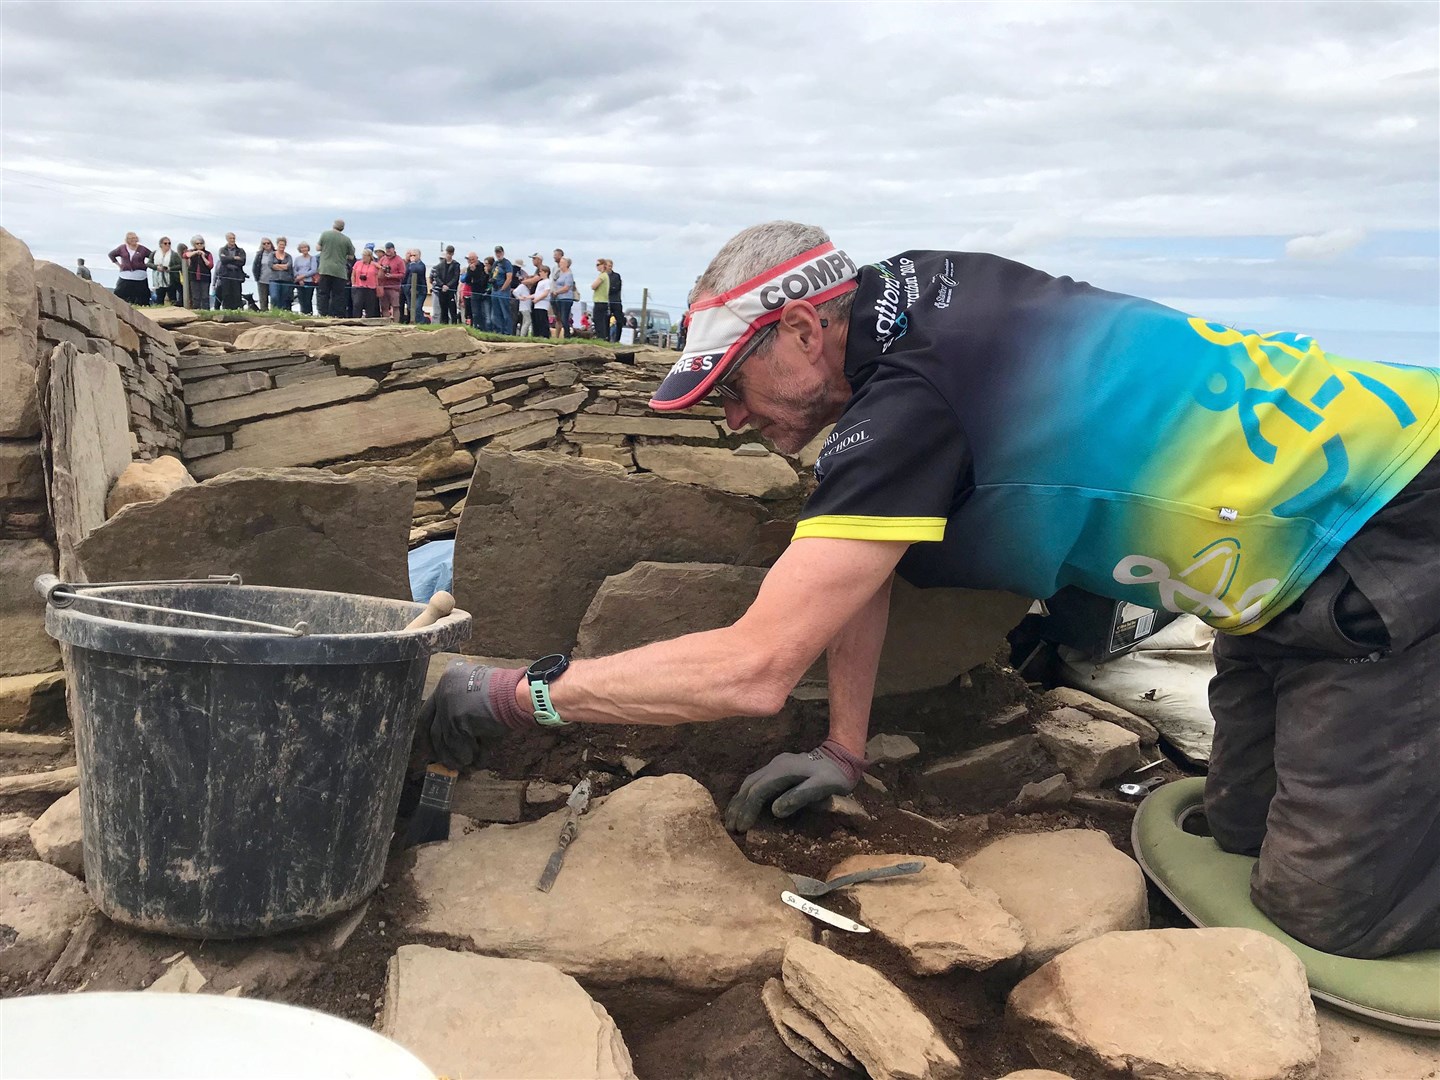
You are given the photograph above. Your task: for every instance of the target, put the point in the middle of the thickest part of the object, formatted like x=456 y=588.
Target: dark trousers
x=479 y=310
x=307 y=298
x=262 y=294
x=364 y=302
x=174 y=293
x=617 y=313
x=329 y=295
x=445 y=306
x=133 y=292
x=540 y=323
x=200 y=294
x=1327 y=739
x=230 y=293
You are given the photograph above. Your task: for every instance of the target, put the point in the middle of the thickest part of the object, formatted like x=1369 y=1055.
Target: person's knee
x=1325 y=916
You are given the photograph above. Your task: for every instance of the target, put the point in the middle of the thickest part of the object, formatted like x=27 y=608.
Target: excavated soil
x=967 y=1008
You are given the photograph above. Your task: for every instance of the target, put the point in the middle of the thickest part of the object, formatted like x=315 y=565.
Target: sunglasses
x=725 y=387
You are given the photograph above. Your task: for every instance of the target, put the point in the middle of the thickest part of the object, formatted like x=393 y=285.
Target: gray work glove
x=793 y=781
x=471 y=704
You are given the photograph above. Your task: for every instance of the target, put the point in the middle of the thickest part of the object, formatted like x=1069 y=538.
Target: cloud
x=1131 y=143
x=1326 y=245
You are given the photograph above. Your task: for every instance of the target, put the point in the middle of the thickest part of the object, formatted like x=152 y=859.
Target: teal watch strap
x=545 y=714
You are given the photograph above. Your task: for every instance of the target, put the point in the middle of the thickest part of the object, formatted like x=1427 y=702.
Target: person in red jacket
x=365 y=285
x=392 y=274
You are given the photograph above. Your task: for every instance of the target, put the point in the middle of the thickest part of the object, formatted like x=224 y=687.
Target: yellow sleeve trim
x=857 y=527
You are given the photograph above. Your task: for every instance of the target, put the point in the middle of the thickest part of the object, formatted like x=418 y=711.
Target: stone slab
x=19 y=323
x=527 y=571
x=302 y=528
x=334 y=433
x=40 y=905
x=1089 y=751
x=284 y=399
x=1063 y=887
x=989 y=775
x=147 y=481
x=768 y=477
x=27 y=647
x=937 y=919
x=57 y=838
x=655 y=427
x=486 y=1018
x=226 y=386
x=1179 y=1004
x=700 y=917
x=86 y=420
x=33 y=702
x=868 y=1014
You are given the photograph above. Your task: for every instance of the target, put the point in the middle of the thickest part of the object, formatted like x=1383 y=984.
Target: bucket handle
x=62 y=594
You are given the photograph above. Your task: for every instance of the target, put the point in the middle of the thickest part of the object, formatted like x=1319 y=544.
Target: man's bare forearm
x=853 y=659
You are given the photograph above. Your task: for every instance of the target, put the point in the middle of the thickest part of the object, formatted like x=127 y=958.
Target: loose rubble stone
x=181 y=977
x=41 y=905
x=1051 y=792
x=1181 y=1004
x=1063 y=887
x=888 y=749
x=768 y=477
x=527 y=573
x=77 y=948
x=590 y=424
x=147 y=481
x=867 y=1014
x=15 y=826
x=19 y=322
x=699 y=916
x=731 y=1038
x=57 y=835
x=53 y=782
x=333 y=433
x=284 y=399
x=936 y=918
x=802 y=1033
x=751 y=449
x=1089 y=751
x=483 y=1017
x=28 y=648
x=845 y=808
x=1103 y=710
x=1035 y=1074
x=301 y=528
x=485 y=797
x=981 y=778
x=459 y=463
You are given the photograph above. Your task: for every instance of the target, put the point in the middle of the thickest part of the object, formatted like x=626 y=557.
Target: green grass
x=479 y=335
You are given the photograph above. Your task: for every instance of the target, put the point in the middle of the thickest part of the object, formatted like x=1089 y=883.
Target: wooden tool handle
x=440 y=605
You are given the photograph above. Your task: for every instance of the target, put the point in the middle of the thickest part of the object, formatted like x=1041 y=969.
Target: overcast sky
x=1272 y=165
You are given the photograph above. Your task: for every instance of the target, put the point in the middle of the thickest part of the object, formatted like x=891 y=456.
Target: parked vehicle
x=658 y=326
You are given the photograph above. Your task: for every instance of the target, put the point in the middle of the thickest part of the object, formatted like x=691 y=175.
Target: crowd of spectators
x=541 y=299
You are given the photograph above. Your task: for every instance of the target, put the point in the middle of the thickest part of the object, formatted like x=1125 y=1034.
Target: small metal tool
x=575 y=806
x=812 y=887
x=825 y=915
x=1141 y=789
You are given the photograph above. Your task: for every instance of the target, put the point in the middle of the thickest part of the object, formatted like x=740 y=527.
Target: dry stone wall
x=344 y=395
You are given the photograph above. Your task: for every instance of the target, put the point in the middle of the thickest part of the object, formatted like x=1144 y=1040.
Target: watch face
x=548 y=667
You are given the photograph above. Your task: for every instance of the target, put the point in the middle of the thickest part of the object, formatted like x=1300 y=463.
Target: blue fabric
x=432 y=569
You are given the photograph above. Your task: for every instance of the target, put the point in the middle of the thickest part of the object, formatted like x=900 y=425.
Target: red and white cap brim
x=721 y=326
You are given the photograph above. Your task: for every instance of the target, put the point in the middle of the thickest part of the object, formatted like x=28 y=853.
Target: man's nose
x=736 y=415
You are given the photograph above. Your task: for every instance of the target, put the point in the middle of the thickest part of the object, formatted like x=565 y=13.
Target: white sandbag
x=1165 y=679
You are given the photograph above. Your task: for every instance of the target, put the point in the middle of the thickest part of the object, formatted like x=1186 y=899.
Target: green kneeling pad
x=1212 y=888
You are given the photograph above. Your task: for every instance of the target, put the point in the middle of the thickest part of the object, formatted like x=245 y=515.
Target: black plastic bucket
x=241 y=783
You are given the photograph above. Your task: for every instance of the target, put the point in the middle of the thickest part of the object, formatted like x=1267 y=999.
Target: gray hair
x=752 y=251
x=339 y=225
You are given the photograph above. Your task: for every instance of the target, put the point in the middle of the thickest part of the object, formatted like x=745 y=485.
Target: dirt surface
x=718 y=1037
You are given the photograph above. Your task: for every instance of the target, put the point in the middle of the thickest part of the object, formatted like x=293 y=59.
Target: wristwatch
x=539 y=676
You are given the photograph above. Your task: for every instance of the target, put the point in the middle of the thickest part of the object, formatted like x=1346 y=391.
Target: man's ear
x=800 y=319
